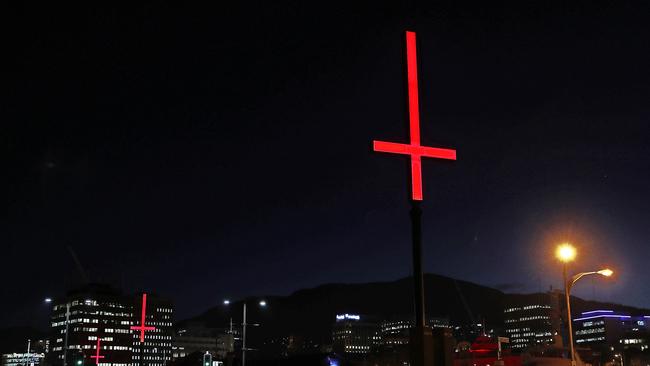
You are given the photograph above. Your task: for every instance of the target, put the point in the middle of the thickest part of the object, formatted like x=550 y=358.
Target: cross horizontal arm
x=142 y=328
x=406 y=149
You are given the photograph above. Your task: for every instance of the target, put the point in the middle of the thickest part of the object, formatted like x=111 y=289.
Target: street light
x=262 y=304
x=606 y=272
x=48 y=300
x=567 y=253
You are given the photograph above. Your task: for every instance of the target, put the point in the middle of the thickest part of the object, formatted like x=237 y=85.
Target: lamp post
x=620 y=356
x=48 y=300
x=567 y=253
x=262 y=304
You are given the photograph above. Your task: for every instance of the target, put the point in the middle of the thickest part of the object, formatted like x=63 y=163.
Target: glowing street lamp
x=605 y=272
x=567 y=253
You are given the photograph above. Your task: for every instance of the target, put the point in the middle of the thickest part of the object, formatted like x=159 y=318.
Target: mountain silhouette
x=310 y=313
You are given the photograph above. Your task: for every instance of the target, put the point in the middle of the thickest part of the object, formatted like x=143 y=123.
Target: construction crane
x=80 y=268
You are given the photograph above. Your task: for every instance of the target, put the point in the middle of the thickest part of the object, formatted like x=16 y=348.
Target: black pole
x=142 y=352
x=418 y=276
x=421 y=338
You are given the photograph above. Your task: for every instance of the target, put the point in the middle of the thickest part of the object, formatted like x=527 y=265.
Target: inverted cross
x=414 y=149
x=97 y=356
x=142 y=328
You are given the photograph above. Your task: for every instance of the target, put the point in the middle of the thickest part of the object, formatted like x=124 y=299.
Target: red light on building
x=142 y=328
x=97 y=356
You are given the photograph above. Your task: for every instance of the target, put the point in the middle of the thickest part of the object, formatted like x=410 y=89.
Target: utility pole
x=243 y=344
x=65 y=344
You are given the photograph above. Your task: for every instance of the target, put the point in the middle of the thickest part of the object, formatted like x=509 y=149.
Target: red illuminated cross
x=97 y=356
x=414 y=148
x=142 y=328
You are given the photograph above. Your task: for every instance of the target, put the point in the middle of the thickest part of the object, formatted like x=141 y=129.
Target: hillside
x=14 y=339
x=310 y=312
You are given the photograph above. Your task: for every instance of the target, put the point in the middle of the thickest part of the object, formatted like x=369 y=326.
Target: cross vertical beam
x=142 y=328
x=414 y=112
x=97 y=356
x=412 y=79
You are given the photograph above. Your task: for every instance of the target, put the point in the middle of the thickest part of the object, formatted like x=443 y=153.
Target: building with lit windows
x=157 y=347
x=196 y=337
x=607 y=330
x=532 y=320
x=354 y=335
x=396 y=332
x=22 y=359
x=100 y=311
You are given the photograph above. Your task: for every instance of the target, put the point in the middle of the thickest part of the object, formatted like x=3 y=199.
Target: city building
x=156 y=350
x=196 y=337
x=533 y=320
x=609 y=330
x=98 y=314
x=22 y=359
x=354 y=334
x=225 y=344
x=396 y=331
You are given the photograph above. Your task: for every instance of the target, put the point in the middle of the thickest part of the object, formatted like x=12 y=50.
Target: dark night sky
x=204 y=153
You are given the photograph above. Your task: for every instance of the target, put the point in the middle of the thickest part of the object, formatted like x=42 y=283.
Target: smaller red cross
x=97 y=356
x=142 y=328
x=414 y=149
